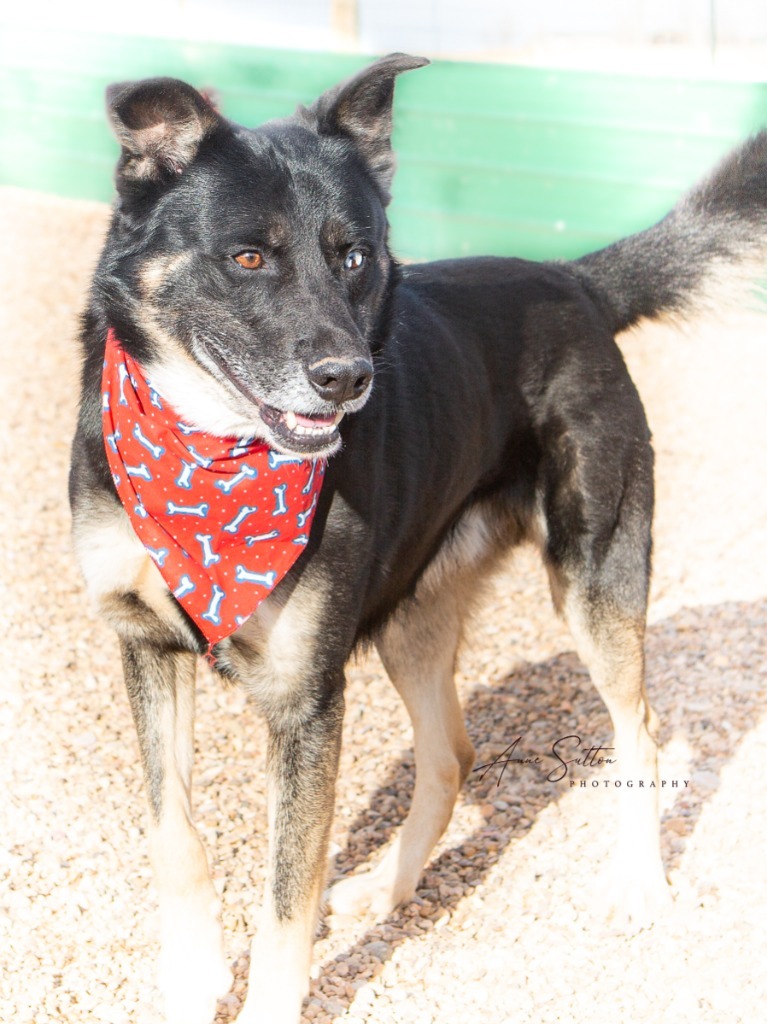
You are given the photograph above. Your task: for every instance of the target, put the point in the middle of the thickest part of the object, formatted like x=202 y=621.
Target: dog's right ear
x=160 y=123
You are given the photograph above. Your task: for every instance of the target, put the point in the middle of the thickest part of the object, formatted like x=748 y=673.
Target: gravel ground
x=506 y=927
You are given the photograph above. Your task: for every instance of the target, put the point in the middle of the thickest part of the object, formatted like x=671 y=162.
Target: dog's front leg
x=193 y=972
x=302 y=763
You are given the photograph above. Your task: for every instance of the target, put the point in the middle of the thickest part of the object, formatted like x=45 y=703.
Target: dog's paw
x=193 y=973
x=274 y=998
x=259 y=1011
x=636 y=901
x=192 y=990
x=369 y=893
x=194 y=1001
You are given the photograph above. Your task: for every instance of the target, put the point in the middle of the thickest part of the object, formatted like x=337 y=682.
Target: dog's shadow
x=686 y=655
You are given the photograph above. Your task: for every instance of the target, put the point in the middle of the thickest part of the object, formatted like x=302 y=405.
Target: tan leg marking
x=612 y=650
x=193 y=972
x=418 y=650
x=276 y=655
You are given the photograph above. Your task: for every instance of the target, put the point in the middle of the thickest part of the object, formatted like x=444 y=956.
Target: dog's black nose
x=340 y=380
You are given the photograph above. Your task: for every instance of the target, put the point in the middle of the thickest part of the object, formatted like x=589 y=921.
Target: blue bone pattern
x=184 y=479
x=185 y=586
x=263 y=579
x=158 y=555
x=239 y=519
x=124 y=375
x=155 y=450
x=245 y=473
x=200 y=510
x=209 y=556
x=142 y=471
x=212 y=614
x=303 y=516
x=242 y=448
x=277 y=459
x=280 y=508
x=308 y=485
x=202 y=459
x=250 y=541
x=112 y=440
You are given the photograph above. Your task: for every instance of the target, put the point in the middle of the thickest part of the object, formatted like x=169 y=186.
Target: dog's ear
x=160 y=123
x=361 y=110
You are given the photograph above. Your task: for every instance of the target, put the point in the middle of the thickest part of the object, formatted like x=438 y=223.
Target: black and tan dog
x=462 y=407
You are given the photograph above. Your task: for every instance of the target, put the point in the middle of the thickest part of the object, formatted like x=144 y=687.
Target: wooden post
x=344 y=19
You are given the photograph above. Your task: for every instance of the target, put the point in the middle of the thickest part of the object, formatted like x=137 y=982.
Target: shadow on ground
x=694 y=687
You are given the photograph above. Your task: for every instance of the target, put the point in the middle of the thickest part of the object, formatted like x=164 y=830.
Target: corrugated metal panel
x=512 y=160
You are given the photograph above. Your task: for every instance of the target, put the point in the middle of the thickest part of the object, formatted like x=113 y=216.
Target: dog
x=369 y=440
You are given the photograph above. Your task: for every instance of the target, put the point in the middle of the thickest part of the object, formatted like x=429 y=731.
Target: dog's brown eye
x=250 y=259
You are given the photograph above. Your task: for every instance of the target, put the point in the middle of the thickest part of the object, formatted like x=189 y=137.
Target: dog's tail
x=705 y=253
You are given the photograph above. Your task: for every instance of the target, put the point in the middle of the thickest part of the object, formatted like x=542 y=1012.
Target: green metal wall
x=511 y=160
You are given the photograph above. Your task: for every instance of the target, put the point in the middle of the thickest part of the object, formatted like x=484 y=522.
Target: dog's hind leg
x=611 y=646
x=418 y=648
x=597 y=551
x=193 y=972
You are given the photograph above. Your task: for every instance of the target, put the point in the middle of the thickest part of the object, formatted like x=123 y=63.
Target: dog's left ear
x=361 y=110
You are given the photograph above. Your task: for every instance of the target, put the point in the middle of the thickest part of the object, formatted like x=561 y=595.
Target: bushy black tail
x=702 y=254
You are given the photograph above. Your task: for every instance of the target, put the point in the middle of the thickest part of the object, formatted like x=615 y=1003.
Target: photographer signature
x=593 y=757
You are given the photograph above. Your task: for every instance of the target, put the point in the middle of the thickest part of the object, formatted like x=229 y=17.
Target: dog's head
x=248 y=269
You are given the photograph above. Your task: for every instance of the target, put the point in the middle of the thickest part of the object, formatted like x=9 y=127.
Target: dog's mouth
x=295 y=433
x=299 y=433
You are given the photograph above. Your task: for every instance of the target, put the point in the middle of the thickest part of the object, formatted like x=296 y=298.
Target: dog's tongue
x=314 y=421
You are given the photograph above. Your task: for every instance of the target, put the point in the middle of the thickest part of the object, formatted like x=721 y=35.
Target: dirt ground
x=506 y=927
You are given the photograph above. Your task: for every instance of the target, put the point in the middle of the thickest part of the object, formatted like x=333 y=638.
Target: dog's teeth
x=307 y=429
x=314 y=431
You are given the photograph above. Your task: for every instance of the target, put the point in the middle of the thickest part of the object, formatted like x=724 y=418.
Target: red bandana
x=223 y=519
